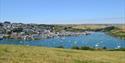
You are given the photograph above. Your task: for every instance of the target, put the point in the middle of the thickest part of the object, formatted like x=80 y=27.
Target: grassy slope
x=88 y=26
x=119 y=32
x=31 y=54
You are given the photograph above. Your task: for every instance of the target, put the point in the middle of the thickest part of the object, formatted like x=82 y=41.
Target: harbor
x=94 y=40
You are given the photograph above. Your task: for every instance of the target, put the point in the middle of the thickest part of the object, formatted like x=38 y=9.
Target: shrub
x=119 y=49
x=104 y=48
x=75 y=47
x=86 y=48
x=59 y=47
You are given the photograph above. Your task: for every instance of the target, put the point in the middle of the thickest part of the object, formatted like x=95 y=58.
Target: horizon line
x=61 y=23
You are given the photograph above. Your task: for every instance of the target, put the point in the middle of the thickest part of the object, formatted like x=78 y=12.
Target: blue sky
x=62 y=11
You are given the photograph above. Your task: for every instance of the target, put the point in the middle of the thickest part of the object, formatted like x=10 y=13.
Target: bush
x=104 y=48
x=6 y=37
x=119 y=49
x=86 y=48
x=59 y=47
x=75 y=47
x=17 y=30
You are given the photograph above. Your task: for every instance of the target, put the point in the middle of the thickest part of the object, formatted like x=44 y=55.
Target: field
x=32 y=54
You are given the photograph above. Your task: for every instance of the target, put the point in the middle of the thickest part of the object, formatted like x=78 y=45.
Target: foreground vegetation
x=31 y=54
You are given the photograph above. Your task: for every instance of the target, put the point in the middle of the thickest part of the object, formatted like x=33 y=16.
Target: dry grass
x=31 y=54
x=89 y=26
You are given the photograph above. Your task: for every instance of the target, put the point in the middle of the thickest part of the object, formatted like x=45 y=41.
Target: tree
x=1 y=24
x=7 y=22
x=17 y=30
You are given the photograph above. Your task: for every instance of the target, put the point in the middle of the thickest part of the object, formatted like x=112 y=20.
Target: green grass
x=32 y=54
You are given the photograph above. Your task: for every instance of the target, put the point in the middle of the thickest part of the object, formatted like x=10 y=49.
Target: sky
x=63 y=11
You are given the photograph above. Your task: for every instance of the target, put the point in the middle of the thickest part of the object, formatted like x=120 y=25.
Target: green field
x=32 y=54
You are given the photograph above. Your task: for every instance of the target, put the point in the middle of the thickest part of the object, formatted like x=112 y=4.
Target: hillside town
x=22 y=31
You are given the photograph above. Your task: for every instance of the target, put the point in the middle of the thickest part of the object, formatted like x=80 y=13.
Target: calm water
x=97 y=39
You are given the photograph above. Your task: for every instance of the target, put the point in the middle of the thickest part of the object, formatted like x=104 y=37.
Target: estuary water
x=96 y=39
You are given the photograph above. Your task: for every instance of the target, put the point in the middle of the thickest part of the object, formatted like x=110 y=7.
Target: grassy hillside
x=32 y=54
x=120 y=32
x=89 y=26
